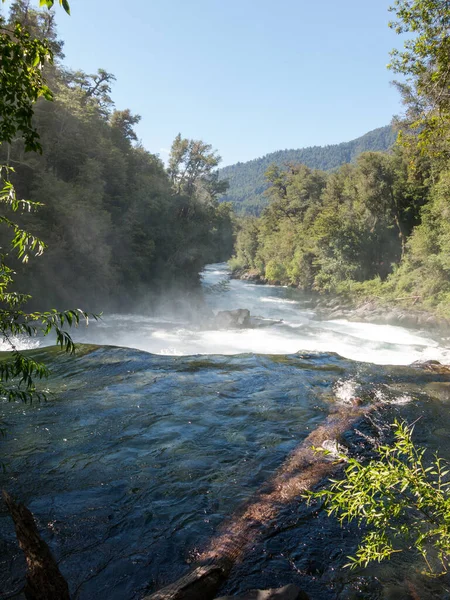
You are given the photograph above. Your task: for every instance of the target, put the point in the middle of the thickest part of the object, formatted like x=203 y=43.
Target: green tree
x=21 y=85
x=378 y=189
x=192 y=167
x=124 y=121
x=425 y=64
x=110 y=213
x=21 y=82
x=425 y=141
x=94 y=89
x=246 y=246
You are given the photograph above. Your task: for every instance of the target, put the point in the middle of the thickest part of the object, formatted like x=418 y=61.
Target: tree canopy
x=378 y=227
x=117 y=232
x=247 y=181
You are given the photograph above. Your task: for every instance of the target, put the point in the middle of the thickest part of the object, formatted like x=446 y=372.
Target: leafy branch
x=400 y=498
x=22 y=83
x=18 y=373
x=49 y=4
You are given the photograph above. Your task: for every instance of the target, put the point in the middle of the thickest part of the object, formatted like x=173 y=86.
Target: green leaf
x=65 y=5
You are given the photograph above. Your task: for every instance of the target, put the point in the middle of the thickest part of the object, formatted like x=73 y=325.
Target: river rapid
x=184 y=330
x=160 y=429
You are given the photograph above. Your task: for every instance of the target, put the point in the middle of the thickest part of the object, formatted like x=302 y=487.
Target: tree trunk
x=401 y=233
x=44 y=580
x=301 y=471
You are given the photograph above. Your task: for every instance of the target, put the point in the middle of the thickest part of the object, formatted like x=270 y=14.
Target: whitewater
x=286 y=324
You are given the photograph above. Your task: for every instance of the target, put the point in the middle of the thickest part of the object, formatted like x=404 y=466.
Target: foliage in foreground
x=24 y=58
x=401 y=498
x=19 y=372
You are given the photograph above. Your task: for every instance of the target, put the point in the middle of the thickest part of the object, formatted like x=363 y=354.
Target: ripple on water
x=139 y=462
x=156 y=448
x=138 y=458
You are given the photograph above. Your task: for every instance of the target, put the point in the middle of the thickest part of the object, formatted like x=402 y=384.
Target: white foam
x=284 y=338
x=298 y=331
x=380 y=396
x=19 y=343
x=170 y=352
x=346 y=391
x=401 y=400
x=279 y=300
x=380 y=333
x=334 y=449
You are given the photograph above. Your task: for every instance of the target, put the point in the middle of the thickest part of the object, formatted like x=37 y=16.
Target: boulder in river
x=240 y=319
x=431 y=365
x=252 y=275
x=232 y=319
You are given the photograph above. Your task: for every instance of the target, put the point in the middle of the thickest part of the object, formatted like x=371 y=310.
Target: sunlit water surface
x=137 y=458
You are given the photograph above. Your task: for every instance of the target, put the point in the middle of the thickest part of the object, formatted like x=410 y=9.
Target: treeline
x=376 y=228
x=119 y=226
x=247 y=182
x=379 y=228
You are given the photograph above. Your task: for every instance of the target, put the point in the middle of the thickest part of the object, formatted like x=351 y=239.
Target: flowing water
x=185 y=329
x=143 y=450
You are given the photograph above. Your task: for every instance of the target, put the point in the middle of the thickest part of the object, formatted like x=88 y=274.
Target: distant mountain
x=247 y=183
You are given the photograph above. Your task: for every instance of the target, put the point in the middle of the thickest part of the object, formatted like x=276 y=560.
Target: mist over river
x=161 y=429
x=186 y=331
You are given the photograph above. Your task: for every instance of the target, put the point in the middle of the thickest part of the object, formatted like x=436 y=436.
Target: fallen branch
x=303 y=469
x=43 y=580
x=201 y=583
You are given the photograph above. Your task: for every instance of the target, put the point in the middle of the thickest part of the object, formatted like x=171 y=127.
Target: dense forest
x=120 y=227
x=378 y=228
x=247 y=182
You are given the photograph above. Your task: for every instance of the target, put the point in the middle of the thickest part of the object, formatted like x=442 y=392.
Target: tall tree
x=193 y=164
x=425 y=64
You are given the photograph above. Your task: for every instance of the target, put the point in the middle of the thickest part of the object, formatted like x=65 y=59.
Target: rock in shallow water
x=288 y=592
x=229 y=319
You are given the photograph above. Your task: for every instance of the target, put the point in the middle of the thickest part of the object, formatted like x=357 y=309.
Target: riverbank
x=404 y=312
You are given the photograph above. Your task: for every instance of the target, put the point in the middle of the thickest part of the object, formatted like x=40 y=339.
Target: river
x=162 y=430
x=183 y=332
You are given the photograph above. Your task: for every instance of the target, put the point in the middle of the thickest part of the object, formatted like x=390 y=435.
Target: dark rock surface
x=239 y=318
x=434 y=366
x=248 y=275
x=288 y=592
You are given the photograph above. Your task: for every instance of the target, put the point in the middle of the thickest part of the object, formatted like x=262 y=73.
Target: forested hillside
x=247 y=180
x=379 y=228
x=120 y=228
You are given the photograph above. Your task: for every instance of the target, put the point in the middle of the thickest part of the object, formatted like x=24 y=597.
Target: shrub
x=403 y=501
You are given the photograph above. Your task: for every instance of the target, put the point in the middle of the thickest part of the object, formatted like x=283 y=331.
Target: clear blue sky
x=247 y=76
